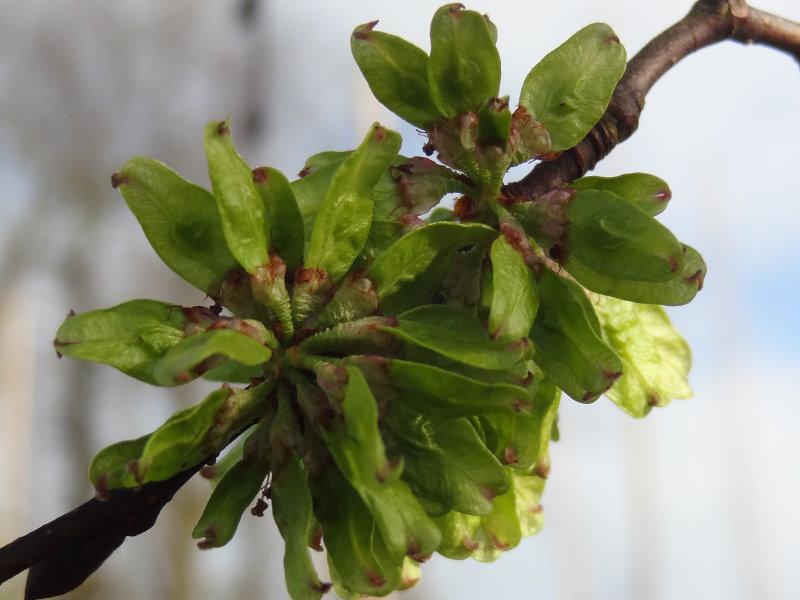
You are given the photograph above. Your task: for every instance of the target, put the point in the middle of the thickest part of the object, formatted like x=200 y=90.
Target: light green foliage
x=655 y=358
x=180 y=221
x=359 y=336
x=410 y=575
x=409 y=258
x=269 y=288
x=114 y=465
x=185 y=361
x=405 y=361
x=231 y=456
x=233 y=371
x=315 y=178
x=186 y=438
x=397 y=73
x=342 y=224
x=233 y=494
x=291 y=503
x=515 y=298
x=528 y=491
x=354 y=299
x=421 y=184
x=464 y=67
x=614 y=237
x=240 y=205
x=283 y=217
x=196 y=432
x=569 y=90
x=153 y=342
x=357 y=552
x=676 y=291
x=494 y=121
x=455 y=334
x=520 y=440
x=130 y=336
x=442 y=393
x=359 y=452
x=356 y=444
x=648 y=192
x=483 y=538
x=569 y=343
x=447 y=461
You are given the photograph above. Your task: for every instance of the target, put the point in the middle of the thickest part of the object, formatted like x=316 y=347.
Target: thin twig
x=708 y=22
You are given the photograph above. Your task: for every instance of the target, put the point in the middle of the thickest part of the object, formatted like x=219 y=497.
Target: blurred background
x=698 y=500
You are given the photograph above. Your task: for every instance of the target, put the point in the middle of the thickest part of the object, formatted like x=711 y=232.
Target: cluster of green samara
x=401 y=372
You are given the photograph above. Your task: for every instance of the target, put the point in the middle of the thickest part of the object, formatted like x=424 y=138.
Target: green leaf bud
x=615 y=238
x=282 y=215
x=655 y=358
x=464 y=66
x=397 y=73
x=342 y=224
x=180 y=221
x=494 y=120
x=422 y=183
x=515 y=298
x=527 y=138
x=569 y=90
x=644 y=191
x=233 y=494
x=569 y=344
x=240 y=205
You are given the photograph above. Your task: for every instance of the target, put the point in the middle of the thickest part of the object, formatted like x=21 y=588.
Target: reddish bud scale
x=362 y=32
x=260 y=508
x=543 y=468
x=207 y=543
x=315 y=542
x=420 y=558
x=696 y=279
x=519 y=242
x=510 y=456
x=409 y=222
x=355 y=298
x=332 y=380
x=117 y=179
x=499 y=544
x=313 y=288
x=528 y=138
x=375 y=579
x=464 y=208
x=470 y=544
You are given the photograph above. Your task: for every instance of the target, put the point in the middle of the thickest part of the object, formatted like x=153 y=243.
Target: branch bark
x=78 y=534
x=708 y=22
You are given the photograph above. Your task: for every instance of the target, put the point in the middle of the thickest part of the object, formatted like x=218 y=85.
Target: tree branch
x=96 y=523
x=708 y=22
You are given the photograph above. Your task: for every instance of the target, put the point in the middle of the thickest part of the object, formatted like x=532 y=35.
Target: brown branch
x=87 y=535
x=708 y=22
